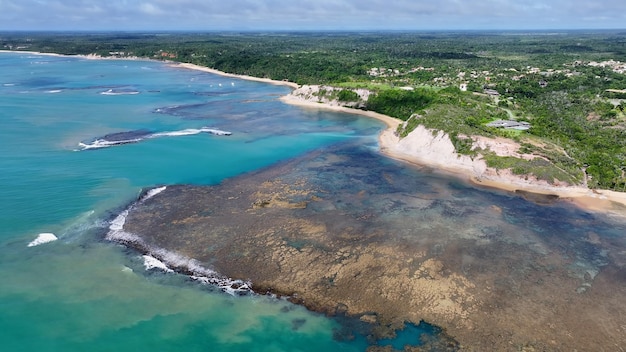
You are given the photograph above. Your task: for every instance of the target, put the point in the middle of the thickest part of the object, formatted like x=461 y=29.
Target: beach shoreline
x=34 y=53
x=225 y=74
x=604 y=201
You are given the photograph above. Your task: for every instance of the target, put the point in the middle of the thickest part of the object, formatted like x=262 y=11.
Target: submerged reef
x=345 y=231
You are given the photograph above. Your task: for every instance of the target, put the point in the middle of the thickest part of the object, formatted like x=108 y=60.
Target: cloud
x=151 y=9
x=319 y=14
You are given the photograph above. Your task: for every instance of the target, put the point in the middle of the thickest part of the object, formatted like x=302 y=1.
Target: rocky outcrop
x=328 y=95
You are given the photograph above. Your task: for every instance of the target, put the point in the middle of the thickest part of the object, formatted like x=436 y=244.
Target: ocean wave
x=116 y=226
x=100 y=143
x=118 y=138
x=119 y=92
x=150 y=262
x=166 y=260
x=43 y=238
x=192 y=131
x=153 y=192
x=135 y=136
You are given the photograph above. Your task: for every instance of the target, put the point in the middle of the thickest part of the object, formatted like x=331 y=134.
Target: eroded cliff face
x=434 y=148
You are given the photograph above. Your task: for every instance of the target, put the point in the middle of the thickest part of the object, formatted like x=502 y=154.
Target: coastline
x=459 y=166
x=425 y=257
x=225 y=74
x=604 y=201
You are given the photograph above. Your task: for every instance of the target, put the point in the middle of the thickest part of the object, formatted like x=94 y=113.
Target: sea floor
x=344 y=231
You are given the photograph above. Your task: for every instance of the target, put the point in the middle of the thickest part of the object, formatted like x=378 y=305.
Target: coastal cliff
x=433 y=148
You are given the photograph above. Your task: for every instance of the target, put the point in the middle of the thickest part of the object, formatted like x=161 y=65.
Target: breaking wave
x=119 y=92
x=135 y=136
x=43 y=238
x=150 y=262
x=167 y=261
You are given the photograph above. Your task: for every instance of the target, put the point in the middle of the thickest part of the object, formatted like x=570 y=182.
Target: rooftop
x=517 y=125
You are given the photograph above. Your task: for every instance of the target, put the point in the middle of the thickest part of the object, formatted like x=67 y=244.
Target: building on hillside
x=492 y=92
x=516 y=125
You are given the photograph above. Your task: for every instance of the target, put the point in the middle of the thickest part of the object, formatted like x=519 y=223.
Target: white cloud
x=319 y=14
x=151 y=9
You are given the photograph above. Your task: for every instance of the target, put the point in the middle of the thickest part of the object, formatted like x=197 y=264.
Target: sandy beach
x=248 y=78
x=31 y=53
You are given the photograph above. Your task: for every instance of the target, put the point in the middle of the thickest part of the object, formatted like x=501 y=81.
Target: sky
x=244 y=15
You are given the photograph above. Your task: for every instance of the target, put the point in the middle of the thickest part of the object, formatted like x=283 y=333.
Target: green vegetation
x=346 y=95
x=570 y=86
x=400 y=103
x=540 y=168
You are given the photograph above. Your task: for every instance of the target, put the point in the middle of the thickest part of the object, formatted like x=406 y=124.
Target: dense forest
x=570 y=86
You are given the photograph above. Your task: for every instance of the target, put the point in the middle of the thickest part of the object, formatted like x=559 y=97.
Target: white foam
x=113 y=92
x=116 y=227
x=116 y=230
x=117 y=224
x=191 y=131
x=43 y=238
x=187 y=132
x=167 y=258
x=103 y=143
x=204 y=275
x=54 y=91
x=153 y=192
x=150 y=262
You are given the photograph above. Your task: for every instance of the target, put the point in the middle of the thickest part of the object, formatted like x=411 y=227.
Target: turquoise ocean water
x=80 y=139
x=81 y=293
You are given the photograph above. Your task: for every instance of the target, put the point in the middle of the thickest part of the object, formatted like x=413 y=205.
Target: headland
x=434 y=149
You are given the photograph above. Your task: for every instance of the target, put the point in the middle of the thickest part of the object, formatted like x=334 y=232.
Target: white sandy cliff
x=434 y=149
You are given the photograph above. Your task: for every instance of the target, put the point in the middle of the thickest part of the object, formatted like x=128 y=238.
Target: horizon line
x=307 y=30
